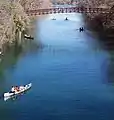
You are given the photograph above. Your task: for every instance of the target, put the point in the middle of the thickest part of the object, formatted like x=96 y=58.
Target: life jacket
x=16 y=88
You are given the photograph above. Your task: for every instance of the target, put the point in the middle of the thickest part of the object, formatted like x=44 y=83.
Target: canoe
x=25 y=88
x=28 y=37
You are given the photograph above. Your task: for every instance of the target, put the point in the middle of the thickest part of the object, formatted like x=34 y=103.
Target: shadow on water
x=15 y=97
x=107 y=43
x=110 y=70
x=14 y=53
x=9 y=58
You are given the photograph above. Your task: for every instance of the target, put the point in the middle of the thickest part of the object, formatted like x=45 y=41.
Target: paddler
x=16 y=89
x=66 y=18
x=21 y=87
x=13 y=89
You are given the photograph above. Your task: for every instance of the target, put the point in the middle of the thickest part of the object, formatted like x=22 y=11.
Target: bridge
x=67 y=10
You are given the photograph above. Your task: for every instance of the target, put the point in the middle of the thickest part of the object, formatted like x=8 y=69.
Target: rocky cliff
x=106 y=20
x=12 y=19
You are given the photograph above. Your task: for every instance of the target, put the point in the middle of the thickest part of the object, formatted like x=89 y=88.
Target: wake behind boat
x=21 y=90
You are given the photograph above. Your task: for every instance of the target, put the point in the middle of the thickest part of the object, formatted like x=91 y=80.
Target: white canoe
x=28 y=86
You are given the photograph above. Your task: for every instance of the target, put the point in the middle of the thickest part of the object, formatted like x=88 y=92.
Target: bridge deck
x=67 y=10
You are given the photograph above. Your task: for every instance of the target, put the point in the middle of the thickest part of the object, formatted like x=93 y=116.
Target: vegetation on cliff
x=107 y=20
x=35 y=4
x=12 y=19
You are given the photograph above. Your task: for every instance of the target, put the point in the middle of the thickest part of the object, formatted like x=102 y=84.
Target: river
x=70 y=75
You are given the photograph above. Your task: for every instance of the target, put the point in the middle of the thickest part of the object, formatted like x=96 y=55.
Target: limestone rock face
x=35 y=4
x=12 y=17
x=107 y=19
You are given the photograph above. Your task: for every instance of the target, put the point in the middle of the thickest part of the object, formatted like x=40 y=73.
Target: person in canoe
x=12 y=89
x=16 y=89
x=81 y=29
x=21 y=87
x=66 y=18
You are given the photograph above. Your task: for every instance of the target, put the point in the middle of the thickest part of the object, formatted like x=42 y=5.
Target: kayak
x=25 y=88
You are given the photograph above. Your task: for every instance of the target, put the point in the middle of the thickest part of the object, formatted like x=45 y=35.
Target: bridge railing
x=67 y=10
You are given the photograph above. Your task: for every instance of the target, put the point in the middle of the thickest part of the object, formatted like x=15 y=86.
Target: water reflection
x=111 y=68
x=9 y=59
x=15 y=97
x=10 y=98
x=107 y=44
x=13 y=54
